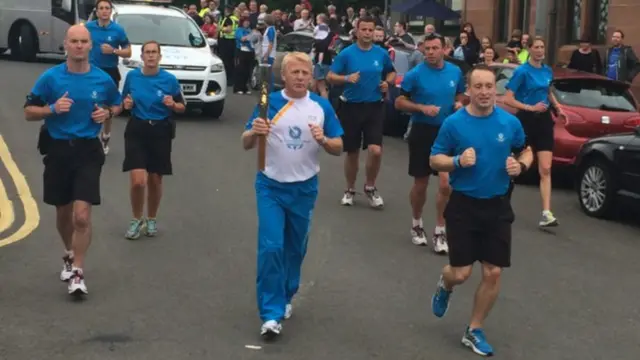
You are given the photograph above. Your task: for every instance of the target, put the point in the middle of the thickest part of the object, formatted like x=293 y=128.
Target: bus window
x=63 y=10
x=86 y=10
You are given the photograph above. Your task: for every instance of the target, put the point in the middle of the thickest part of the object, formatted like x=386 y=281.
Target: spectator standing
x=585 y=58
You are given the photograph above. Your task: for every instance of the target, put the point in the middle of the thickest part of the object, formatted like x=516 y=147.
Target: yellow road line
x=7 y=216
x=31 y=213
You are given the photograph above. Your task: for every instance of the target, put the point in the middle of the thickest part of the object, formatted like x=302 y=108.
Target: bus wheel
x=24 y=43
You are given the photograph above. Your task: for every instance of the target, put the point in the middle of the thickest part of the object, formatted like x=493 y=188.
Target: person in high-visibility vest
x=227 y=41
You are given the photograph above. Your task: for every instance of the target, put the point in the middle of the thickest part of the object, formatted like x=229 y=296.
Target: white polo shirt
x=292 y=153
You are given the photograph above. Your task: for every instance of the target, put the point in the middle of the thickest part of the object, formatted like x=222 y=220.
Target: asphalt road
x=189 y=293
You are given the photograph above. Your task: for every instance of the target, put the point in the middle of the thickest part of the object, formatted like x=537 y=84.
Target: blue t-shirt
x=418 y=84
x=240 y=33
x=148 y=92
x=373 y=65
x=612 y=66
x=112 y=34
x=530 y=84
x=493 y=138
x=86 y=90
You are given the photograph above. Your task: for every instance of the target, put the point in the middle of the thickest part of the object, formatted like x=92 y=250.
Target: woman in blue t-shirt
x=529 y=92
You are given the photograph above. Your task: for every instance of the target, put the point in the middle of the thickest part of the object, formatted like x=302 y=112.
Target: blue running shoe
x=477 y=341
x=440 y=300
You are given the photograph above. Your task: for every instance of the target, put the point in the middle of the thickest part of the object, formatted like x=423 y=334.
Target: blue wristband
x=456 y=162
x=52 y=107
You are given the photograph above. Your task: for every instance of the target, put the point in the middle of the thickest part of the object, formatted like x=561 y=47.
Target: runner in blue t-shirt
x=476 y=145
x=74 y=99
x=153 y=95
x=430 y=91
x=366 y=71
x=109 y=43
x=529 y=92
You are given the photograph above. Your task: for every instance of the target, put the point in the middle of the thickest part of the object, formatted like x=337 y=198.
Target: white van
x=186 y=52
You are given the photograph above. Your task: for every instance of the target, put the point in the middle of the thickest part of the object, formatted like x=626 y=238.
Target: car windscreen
x=166 y=30
x=594 y=94
x=401 y=62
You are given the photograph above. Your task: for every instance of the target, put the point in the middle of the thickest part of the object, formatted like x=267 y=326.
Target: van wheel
x=24 y=43
x=213 y=110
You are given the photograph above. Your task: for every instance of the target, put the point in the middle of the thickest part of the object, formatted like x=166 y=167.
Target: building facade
x=561 y=22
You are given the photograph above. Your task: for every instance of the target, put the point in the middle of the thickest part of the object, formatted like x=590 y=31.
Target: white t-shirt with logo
x=292 y=153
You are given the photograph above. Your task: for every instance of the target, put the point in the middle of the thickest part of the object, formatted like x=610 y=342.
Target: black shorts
x=421 y=139
x=538 y=129
x=147 y=145
x=362 y=124
x=72 y=171
x=114 y=73
x=479 y=230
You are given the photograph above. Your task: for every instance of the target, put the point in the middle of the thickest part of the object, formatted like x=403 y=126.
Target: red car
x=594 y=105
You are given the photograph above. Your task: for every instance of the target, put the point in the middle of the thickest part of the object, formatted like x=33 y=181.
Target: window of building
x=502 y=15
x=451 y=27
x=587 y=18
x=524 y=15
x=455 y=5
x=447 y=27
x=602 y=21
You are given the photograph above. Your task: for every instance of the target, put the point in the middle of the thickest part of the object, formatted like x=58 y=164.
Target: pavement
x=190 y=293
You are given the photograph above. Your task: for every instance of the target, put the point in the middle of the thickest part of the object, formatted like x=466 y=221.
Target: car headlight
x=216 y=68
x=132 y=64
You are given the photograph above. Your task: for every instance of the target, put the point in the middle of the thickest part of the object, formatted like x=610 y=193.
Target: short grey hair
x=269 y=20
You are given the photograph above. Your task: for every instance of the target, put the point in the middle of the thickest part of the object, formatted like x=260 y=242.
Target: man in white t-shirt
x=299 y=124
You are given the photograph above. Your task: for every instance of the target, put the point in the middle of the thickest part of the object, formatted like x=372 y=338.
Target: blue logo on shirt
x=294 y=142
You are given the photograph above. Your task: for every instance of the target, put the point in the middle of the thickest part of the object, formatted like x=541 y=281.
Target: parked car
x=608 y=171
x=595 y=106
x=396 y=122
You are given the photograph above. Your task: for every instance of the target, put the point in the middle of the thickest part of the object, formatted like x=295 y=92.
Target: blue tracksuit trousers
x=284 y=219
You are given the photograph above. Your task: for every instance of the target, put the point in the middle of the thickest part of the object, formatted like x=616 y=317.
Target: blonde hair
x=295 y=56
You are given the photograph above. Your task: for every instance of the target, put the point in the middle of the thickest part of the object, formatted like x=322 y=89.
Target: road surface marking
x=31 y=213
x=7 y=216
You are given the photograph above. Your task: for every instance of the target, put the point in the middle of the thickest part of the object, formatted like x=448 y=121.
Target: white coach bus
x=30 y=27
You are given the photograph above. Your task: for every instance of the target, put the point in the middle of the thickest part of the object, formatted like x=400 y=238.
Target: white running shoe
x=76 y=283
x=440 y=245
x=67 y=268
x=288 y=311
x=347 y=198
x=270 y=329
x=375 y=200
x=418 y=236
